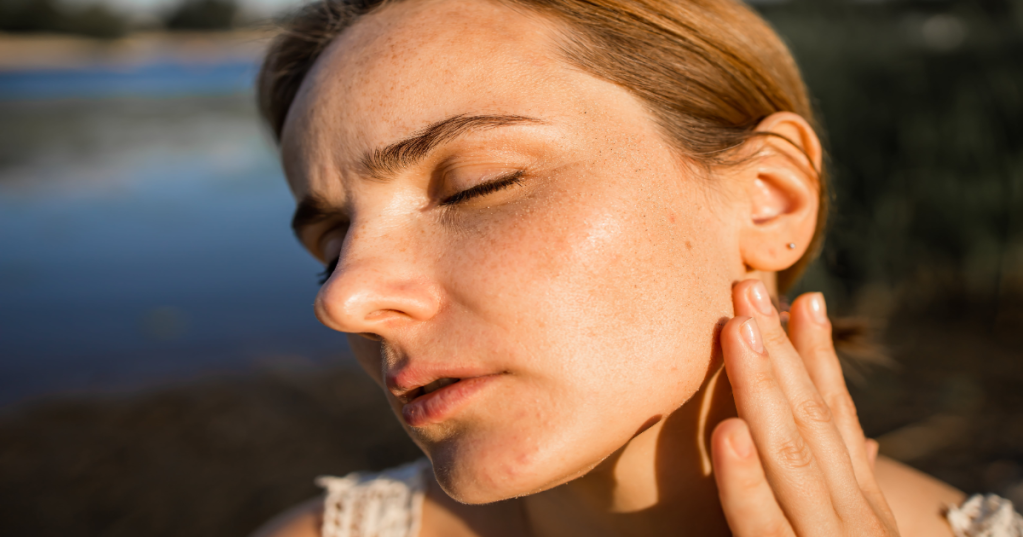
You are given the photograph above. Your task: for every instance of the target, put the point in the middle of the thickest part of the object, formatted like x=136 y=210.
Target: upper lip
x=407 y=382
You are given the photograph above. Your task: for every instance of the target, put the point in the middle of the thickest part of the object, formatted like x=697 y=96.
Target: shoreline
x=30 y=52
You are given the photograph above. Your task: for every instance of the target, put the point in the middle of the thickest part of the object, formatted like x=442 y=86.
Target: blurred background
x=161 y=371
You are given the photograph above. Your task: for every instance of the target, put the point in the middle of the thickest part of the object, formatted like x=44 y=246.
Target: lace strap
x=985 y=516
x=385 y=504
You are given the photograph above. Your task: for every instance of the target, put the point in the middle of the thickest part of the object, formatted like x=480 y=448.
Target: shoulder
x=917 y=500
x=303 y=520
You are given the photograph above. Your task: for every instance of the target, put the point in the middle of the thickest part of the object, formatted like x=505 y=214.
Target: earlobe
x=782 y=189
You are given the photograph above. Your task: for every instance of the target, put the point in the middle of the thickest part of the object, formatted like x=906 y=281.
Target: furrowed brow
x=403 y=154
x=390 y=160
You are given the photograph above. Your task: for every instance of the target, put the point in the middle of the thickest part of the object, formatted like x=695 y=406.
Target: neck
x=660 y=483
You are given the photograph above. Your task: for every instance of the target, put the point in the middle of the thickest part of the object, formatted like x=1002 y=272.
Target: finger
x=872 y=449
x=790 y=466
x=810 y=333
x=811 y=414
x=750 y=507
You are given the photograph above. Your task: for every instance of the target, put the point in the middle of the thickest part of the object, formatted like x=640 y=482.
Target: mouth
x=415 y=393
x=441 y=399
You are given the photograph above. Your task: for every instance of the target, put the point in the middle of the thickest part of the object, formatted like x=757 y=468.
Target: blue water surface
x=161 y=79
x=144 y=233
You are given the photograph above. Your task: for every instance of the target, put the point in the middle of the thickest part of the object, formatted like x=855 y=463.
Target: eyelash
x=322 y=277
x=481 y=189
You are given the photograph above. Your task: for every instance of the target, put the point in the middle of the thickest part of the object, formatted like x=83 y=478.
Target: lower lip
x=440 y=405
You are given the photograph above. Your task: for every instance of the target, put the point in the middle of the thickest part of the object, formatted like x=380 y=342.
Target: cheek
x=618 y=282
x=604 y=306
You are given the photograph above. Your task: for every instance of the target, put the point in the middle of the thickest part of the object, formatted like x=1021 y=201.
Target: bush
x=94 y=20
x=202 y=15
x=922 y=106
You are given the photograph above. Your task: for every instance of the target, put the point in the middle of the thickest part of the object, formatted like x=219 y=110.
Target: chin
x=486 y=464
x=484 y=472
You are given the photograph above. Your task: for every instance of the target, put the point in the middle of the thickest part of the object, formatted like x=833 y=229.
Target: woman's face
x=511 y=222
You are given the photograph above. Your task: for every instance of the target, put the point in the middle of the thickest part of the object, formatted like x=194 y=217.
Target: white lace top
x=390 y=504
x=985 y=516
x=385 y=504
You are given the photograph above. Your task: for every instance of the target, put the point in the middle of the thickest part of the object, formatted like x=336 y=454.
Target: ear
x=782 y=187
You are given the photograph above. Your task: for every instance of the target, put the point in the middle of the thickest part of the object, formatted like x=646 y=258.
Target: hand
x=795 y=461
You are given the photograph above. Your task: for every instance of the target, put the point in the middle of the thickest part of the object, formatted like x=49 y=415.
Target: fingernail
x=751 y=333
x=818 y=310
x=741 y=444
x=760 y=299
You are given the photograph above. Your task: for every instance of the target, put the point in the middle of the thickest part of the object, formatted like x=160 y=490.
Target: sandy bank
x=48 y=51
x=219 y=457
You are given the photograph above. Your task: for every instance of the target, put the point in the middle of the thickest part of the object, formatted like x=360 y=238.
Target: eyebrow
x=388 y=161
x=403 y=154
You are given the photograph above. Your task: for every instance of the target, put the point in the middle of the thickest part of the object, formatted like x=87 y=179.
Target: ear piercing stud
x=791 y=245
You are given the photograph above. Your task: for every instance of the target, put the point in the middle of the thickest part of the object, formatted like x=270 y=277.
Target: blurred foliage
x=922 y=103
x=99 y=20
x=95 y=20
x=202 y=15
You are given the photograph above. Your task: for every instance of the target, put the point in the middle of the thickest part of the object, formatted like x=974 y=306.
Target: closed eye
x=328 y=270
x=483 y=189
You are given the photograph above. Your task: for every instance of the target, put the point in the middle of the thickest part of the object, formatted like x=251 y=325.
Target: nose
x=381 y=284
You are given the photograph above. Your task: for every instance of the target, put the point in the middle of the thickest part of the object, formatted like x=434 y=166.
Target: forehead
x=414 y=63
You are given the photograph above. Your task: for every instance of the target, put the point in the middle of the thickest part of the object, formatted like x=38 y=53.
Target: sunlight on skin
x=579 y=303
x=509 y=287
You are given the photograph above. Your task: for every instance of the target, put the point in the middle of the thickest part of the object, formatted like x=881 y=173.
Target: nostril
x=348 y=305
x=369 y=297
x=335 y=312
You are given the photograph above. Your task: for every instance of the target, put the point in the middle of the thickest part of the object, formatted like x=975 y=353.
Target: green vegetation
x=95 y=20
x=98 y=20
x=202 y=15
x=923 y=106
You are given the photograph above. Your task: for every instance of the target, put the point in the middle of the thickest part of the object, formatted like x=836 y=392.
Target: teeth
x=438 y=384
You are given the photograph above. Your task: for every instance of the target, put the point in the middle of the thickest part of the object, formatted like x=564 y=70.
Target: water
x=144 y=232
x=153 y=80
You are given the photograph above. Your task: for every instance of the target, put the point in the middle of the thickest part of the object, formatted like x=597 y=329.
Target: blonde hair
x=708 y=70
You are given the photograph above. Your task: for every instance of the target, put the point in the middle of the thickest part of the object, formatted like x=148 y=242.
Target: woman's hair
x=708 y=70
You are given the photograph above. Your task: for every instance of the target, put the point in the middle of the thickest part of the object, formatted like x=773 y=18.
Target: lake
x=144 y=232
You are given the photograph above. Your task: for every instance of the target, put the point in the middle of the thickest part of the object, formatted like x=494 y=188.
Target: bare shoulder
x=917 y=499
x=303 y=520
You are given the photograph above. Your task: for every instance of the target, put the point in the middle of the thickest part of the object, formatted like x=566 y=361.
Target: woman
x=548 y=225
